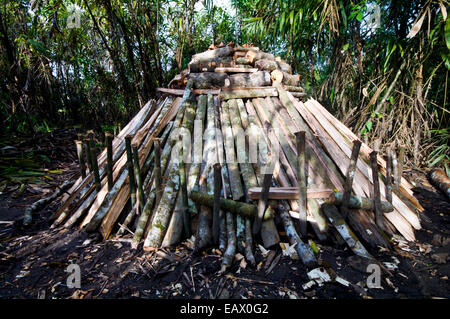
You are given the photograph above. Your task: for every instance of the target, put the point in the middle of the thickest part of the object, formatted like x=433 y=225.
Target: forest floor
x=33 y=261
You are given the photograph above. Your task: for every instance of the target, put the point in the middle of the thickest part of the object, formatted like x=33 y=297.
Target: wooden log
x=212 y=54
x=216 y=206
x=138 y=176
x=298 y=95
x=242 y=60
x=292 y=89
x=349 y=178
x=283 y=66
x=184 y=198
x=401 y=159
x=230 y=252
x=28 y=215
x=376 y=191
x=347 y=235
x=157 y=171
x=79 y=145
x=206 y=182
x=396 y=179
x=131 y=176
x=290 y=193
x=301 y=175
x=210 y=65
x=180 y=92
x=279 y=76
x=388 y=182
x=233 y=169
x=254 y=56
x=269 y=232
x=247 y=93
x=249 y=242
x=305 y=252
x=243 y=209
x=163 y=212
x=248 y=80
x=262 y=203
x=98 y=186
x=109 y=159
x=209 y=80
x=266 y=65
x=358 y=202
x=439 y=178
x=88 y=154
x=246 y=49
x=235 y=70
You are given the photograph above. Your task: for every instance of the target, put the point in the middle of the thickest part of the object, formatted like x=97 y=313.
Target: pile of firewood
x=182 y=167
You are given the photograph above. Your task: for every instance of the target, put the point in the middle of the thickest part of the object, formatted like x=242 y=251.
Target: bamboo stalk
x=348 y=186
x=109 y=157
x=358 y=202
x=301 y=174
x=79 y=145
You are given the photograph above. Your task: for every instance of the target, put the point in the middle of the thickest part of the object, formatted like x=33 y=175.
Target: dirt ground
x=33 y=261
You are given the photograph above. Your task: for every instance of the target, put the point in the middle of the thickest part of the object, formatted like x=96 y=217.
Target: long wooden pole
x=216 y=207
x=348 y=185
x=376 y=191
x=79 y=145
x=109 y=158
x=301 y=177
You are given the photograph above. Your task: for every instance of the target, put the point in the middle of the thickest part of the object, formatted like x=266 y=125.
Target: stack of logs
x=183 y=166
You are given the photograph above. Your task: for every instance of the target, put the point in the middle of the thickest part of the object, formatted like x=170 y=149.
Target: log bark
x=301 y=176
x=439 y=178
x=212 y=54
x=243 y=209
x=269 y=232
x=246 y=93
x=285 y=78
x=235 y=70
x=283 y=66
x=228 y=256
x=292 y=89
x=216 y=206
x=255 y=56
x=242 y=60
x=388 y=182
x=131 y=176
x=376 y=191
x=28 y=215
x=305 y=252
x=109 y=159
x=157 y=171
x=290 y=193
x=359 y=202
x=347 y=235
x=249 y=80
x=348 y=185
x=79 y=145
x=209 y=80
x=266 y=65
x=163 y=213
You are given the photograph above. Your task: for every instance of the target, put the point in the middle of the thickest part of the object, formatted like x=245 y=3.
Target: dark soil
x=33 y=261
